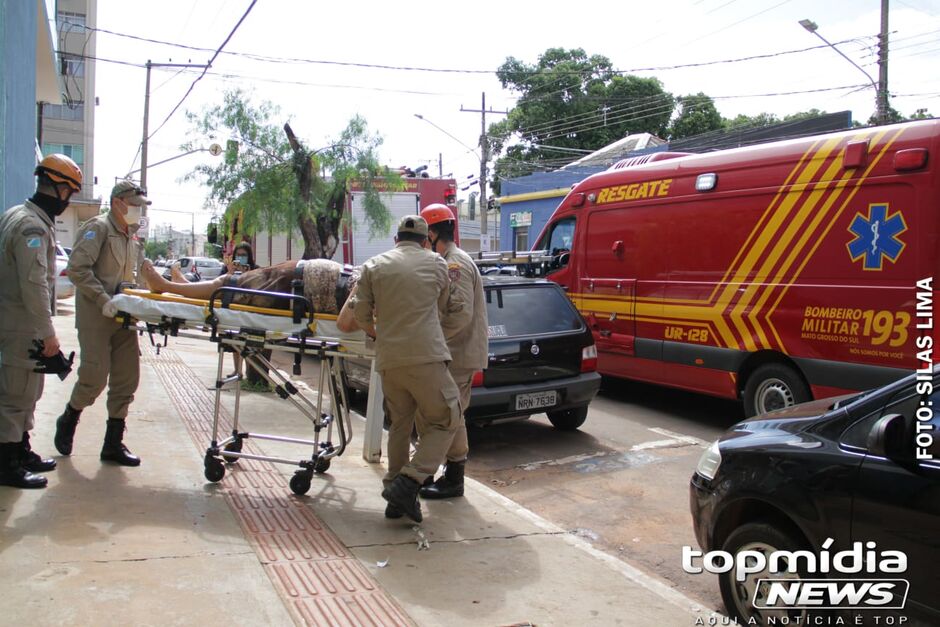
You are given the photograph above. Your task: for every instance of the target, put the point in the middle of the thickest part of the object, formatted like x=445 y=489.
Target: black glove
x=57 y=364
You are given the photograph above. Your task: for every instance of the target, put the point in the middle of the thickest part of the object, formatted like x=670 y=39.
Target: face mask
x=241 y=260
x=133 y=215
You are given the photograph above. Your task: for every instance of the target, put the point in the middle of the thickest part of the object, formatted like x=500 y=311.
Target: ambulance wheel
x=773 y=386
x=322 y=465
x=215 y=470
x=234 y=447
x=300 y=482
x=739 y=596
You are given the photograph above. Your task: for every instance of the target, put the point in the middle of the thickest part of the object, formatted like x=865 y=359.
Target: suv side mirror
x=888 y=438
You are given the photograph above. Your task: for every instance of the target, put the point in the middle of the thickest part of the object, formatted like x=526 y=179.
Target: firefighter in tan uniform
x=27 y=279
x=106 y=254
x=466 y=332
x=408 y=290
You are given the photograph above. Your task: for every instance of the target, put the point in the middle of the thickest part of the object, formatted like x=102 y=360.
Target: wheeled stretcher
x=251 y=331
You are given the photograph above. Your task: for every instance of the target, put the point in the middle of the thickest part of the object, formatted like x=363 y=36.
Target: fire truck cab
x=773 y=273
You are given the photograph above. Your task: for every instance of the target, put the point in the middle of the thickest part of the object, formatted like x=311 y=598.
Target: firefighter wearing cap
x=466 y=332
x=27 y=280
x=408 y=290
x=106 y=254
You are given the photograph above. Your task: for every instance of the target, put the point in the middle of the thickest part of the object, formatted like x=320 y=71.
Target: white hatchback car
x=63 y=286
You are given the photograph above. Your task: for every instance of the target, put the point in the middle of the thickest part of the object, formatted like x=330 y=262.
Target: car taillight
x=477 y=380
x=589 y=358
x=64 y=272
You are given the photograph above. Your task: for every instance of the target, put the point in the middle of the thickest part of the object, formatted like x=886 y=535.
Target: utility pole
x=484 y=157
x=146 y=134
x=883 y=109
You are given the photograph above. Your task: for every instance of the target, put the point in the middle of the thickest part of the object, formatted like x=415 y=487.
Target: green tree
x=697 y=115
x=741 y=121
x=570 y=102
x=277 y=184
x=155 y=250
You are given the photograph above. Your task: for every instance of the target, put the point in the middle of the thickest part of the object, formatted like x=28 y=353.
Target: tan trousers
x=425 y=393
x=20 y=388
x=109 y=357
x=460 y=447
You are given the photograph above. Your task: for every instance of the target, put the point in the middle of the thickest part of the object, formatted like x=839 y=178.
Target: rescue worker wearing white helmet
x=106 y=254
x=27 y=280
x=465 y=328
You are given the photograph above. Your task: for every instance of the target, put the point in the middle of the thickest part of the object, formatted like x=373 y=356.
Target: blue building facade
x=27 y=75
x=529 y=201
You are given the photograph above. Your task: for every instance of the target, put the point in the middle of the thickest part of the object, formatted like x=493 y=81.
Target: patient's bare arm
x=346 y=321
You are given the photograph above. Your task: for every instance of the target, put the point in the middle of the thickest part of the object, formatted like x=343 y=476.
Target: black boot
x=12 y=472
x=392 y=512
x=114 y=449
x=402 y=493
x=448 y=485
x=30 y=460
x=65 y=429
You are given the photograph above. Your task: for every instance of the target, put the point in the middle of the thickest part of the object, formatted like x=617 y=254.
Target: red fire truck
x=358 y=244
x=772 y=273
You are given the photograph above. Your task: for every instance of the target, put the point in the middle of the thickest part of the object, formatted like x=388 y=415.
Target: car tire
x=738 y=596
x=568 y=419
x=773 y=386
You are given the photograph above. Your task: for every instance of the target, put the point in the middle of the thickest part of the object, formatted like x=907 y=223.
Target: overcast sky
x=319 y=98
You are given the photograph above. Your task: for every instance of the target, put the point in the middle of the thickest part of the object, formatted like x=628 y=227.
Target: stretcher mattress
x=189 y=312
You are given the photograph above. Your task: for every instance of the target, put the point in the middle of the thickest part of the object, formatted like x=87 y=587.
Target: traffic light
x=450 y=196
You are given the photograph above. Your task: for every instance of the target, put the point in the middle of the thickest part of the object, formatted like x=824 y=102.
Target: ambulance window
x=559 y=237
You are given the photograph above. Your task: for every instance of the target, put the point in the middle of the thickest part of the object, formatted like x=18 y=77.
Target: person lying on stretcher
x=328 y=285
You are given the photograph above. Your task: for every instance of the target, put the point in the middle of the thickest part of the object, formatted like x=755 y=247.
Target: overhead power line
x=405 y=68
x=206 y=69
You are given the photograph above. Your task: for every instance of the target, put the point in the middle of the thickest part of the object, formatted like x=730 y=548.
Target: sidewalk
x=159 y=545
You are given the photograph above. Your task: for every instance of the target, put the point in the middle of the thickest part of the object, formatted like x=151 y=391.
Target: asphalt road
x=621 y=481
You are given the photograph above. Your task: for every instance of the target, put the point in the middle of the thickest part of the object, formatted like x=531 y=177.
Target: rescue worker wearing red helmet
x=27 y=280
x=465 y=329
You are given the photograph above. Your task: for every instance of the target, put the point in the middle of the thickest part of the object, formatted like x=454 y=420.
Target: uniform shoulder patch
x=89 y=234
x=33 y=242
x=453 y=271
x=33 y=230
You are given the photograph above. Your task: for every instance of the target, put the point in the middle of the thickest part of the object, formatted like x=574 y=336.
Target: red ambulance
x=774 y=273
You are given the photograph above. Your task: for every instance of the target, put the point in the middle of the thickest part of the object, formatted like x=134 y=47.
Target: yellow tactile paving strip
x=320 y=581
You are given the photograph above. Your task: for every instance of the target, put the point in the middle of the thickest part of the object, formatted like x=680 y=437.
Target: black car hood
x=793 y=419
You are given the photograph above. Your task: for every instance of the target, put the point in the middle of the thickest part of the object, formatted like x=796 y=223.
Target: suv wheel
x=773 y=386
x=568 y=419
x=740 y=596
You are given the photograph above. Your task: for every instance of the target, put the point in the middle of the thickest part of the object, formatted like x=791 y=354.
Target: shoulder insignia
x=33 y=230
x=89 y=234
x=453 y=272
x=33 y=242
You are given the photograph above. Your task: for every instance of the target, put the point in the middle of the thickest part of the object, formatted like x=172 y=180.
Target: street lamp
x=880 y=90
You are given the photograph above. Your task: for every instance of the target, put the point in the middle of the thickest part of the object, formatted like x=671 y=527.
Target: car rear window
x=529 y=310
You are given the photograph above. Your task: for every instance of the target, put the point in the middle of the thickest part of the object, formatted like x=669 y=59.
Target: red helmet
x=61 y=169
x=436 y=213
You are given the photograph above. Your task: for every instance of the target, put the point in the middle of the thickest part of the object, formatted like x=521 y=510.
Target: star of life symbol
x=876 y=236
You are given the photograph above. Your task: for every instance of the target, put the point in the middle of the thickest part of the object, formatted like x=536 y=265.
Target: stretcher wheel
x=300 y=482
x=215 y=470
x=235 y=447
x=322 y=465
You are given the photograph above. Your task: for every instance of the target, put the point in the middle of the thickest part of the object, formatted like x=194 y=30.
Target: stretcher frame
x=250 y=343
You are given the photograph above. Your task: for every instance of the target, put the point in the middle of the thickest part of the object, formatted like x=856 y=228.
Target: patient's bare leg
x=201 y=289
x=176 y=275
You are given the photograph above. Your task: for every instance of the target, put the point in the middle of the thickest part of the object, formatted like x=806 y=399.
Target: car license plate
x=537 y=400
